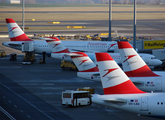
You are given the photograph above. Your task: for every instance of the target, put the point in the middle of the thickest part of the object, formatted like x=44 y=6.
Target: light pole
x=134 y=35
x=23 y=24
x=110 y=6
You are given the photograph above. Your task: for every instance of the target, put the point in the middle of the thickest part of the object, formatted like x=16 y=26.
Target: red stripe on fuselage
x=124 y=88
x=144 y=71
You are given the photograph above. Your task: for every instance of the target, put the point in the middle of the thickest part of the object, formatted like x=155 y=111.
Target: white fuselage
x=148 y=84
x=90 y=47
x=149 y=104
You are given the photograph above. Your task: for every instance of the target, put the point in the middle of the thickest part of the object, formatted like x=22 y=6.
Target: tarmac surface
x=34 y=92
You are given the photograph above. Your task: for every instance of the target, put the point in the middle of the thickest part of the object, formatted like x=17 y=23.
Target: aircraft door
x=144 y=103
x=158 y=84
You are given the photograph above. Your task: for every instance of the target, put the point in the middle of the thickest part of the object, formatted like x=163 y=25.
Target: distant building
x=15 y=1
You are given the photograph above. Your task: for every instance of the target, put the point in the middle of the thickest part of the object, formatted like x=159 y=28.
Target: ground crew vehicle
x=66 y=64
x=2 y=53
x=29 y=58
x=76 y=98
x=91 y=90
x=13 y=56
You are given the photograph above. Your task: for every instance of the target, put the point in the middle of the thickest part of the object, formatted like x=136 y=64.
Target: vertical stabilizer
x=15 y=32
x=56 y=46
x=133 y=64
x=114 y=80
x=84 y=63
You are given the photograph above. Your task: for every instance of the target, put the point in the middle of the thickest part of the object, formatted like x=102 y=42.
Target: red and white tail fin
x=83 y=62
x=133 y=64
x=114 y=80
x=15 y=32
x=56 y=46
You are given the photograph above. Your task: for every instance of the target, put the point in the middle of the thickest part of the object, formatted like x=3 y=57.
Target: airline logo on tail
x=56 y=45
x=128 y=57
x=13 y=29
x=112 y=45
x=82 y=61
x=109 y=70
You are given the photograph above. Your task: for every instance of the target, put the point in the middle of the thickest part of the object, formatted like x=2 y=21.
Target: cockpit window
x=153 y=57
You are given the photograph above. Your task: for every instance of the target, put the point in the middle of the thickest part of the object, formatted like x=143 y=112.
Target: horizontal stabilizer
x=73 y=54
x=16 y=44
x=116 y=101
x=137 y=82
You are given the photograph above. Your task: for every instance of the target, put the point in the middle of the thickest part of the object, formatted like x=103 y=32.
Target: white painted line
x=4 y=97
x=21 y=110
x=7 y=114
x=9 y=101
x=15 y=106
x=28 y=116
x=27 y=101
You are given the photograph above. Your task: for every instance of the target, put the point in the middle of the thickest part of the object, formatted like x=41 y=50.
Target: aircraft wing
x=116 y=101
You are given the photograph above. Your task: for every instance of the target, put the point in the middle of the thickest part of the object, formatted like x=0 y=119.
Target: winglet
x=133 y=64
x=56 y=46
x=15 y=32
x=84 y=63
x=114 y=80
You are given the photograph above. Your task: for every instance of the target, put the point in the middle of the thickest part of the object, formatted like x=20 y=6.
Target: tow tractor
x=66 y=64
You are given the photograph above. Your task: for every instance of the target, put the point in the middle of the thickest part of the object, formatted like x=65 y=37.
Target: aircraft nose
x=158 y=62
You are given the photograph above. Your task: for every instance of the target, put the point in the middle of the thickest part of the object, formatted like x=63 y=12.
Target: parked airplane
x=121 y=93
x=146 y=83
x=17 y=37
x=59 y=51
x=138 y=71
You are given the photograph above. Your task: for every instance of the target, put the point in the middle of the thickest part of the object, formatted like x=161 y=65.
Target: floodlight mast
x=110 y=18
x=134 y=35
x=23 y=23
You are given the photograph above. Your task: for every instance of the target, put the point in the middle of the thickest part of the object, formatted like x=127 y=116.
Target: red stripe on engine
x=144 y=71
x=124 y=88
x=22 y=37
x=103 y=57
x=123 y=44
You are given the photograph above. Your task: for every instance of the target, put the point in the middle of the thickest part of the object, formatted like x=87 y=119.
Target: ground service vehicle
x=13 y=56
x=67 y=64
x=2 y=53
x=76 y=98
x=91 y=90
x=29 y=58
